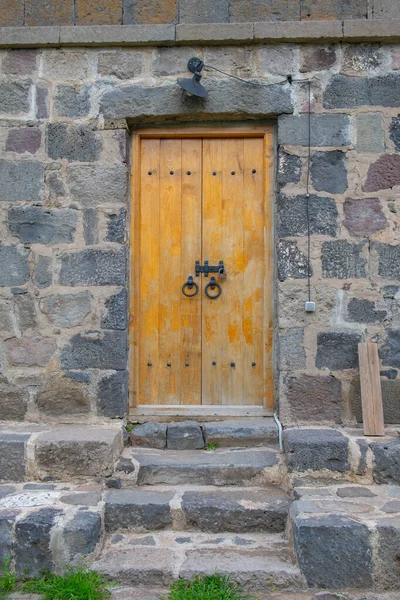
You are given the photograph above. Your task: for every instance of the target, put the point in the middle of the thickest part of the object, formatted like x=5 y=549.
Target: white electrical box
x=309 y=306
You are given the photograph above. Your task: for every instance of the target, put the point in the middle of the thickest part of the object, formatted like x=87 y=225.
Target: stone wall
x=63 y=226
x=126 y=12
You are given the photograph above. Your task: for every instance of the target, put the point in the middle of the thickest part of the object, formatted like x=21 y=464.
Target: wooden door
x=203 y=198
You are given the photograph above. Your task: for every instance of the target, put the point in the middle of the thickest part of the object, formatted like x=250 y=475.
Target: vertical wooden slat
x=149 y=272
x=212 y=314
x=170 y=271
x=253 y=271
x=232 y=254
x=371 y=394
x=190 y=346
x=269 y=275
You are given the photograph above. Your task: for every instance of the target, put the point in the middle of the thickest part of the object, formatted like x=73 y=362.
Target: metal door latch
x=206 y=269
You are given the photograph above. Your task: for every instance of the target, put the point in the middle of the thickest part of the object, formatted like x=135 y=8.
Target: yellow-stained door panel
x=204 y=199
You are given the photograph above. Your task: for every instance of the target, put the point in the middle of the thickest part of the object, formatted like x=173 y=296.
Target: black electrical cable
x=257 y=83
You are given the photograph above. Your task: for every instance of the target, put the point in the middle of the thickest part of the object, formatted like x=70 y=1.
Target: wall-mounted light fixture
x=192 y=86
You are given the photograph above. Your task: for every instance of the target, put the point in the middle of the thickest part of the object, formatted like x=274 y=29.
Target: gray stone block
x=386 y=467
x=92 y=185
x=21 y=181
x=93 y=267
x=221 y=467
x=389 y=260
x=36 y=225
x=314 y=398
x=82 y=498
x=363 y=311
x=185 y=435
x=137 y=510
x=81 y=535
x=77 y=451
x=95 y=350
x=364 y=216
x=241 y=432
x=387 y=573
x=343 y=260
x=370 y=132
x=15 y=96
x=67 y=310
x=329 y=172
x=317 y=58
x=62 y=397
x=15 y=266
x=228 y=97
x=291 y=349
x=390 y=350
x=326 y=130
x=150 y=435
x=13 y=401
x=361 y=58
x=42 y=272
x=7 y=519
x=123 y=65
x=355 y=492
x=55 y=186
x=20 y=62
x=32 y=543
x=294 y=210
x=333 y=551
x=208 y=11
x=91 y=226
x=337 y=350
x=292 y=263
x=73 y=142
x=351 y=92
x=116 y=227
x=42 y=102
x=24 y=306
x=32 y=351
x=289 y=170
x=24 y=139
x=237 y=511
x=112 y=395
x=316 y=449
x=117 y=311
x=72 y=101
x=395 y=132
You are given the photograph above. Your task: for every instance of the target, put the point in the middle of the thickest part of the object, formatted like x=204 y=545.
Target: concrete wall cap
x=100 y=35
x=360 y=30
x=19 y=37
x=298 y=31
x=206 y=33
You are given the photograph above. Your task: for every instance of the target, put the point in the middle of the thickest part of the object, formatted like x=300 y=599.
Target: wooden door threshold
x=160 y=412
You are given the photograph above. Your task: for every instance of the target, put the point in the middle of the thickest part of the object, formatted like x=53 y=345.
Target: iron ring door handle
x=213 y=283
x=190 y=284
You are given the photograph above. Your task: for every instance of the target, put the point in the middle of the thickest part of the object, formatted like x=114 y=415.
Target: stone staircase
x=324 y=513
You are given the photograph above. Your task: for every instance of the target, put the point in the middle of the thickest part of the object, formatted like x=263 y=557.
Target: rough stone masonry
x=64 y=206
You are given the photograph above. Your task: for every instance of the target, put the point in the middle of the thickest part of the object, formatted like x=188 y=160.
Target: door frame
x=145 y=412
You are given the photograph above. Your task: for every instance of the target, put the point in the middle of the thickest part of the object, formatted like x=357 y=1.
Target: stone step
x=211 y=510
x=190 y=435
x=44 y=452
x=247 y=467
x=256 y=561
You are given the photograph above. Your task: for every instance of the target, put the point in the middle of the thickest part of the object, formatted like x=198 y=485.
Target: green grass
x=75 y=584
x=8 y=580
x=207 y=587
x=212 y=446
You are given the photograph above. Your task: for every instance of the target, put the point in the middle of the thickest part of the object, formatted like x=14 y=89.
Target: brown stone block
x=11 y=13
x=313 y=399
x=49 y=12
x=98 y=12
x=264 y=10
x=150 y=11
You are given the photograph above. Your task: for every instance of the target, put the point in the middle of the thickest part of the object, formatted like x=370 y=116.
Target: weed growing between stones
x=207 y=587
x=212 y=446
x=8 y=580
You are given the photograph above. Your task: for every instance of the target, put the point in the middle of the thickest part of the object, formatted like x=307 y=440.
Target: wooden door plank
x=212 y=250
x=231 y=300
x=254 y=261
x=149 y=273
x=269 y=275
x=170 y=271
x=371 y=394
x=190 y=346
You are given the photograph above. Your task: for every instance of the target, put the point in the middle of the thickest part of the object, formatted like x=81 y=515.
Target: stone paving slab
x=239 y=432
x=253 y=559
x=219 y=467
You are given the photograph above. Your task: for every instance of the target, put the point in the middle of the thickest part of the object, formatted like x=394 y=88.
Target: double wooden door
x=203 y=199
